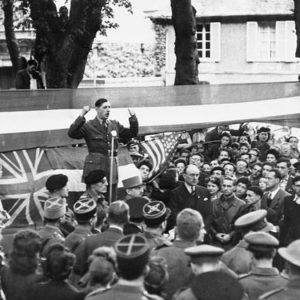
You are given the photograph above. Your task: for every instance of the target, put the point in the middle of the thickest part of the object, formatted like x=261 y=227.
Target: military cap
x=261 y=241
x=132 y=247
x=197 y=253
x=85 y=208
x=94 y=176
x=56 y=182
x=216 y=285
x=136 y=154
x=155 y=213
x=254 y=221
x=136 y=205
x=291 y=253
x=133 y=181
x=54 y=208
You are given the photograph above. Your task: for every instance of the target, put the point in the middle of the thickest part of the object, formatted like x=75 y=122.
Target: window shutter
x=215 y=29
x=290 y=41
x=280 y=41
x=252 y=50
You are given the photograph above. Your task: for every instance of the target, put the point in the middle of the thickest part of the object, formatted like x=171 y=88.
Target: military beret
x=132 y=247
x=260 y=241
x=94 y=176
x=155 y=213
x=85 y=208
x=54 y=208
x=197 y=253
x=254 y=221
x=136 y=205
x=216 y=285
x=291 y=253
x=263 y=129
x=56 y=182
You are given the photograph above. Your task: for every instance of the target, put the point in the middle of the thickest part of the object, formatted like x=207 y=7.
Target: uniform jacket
x=58 y=290
x=98 y=140
x=261 y=280
x=180 y=272
x=290 y=292
x=50 y=235
x=156 y=241
x=74 y=239
x=121 y=291
x=84 y=250
x=290 y=228
x=180 y=198
x=238 y=258
x=225 y=212
x=275 y=209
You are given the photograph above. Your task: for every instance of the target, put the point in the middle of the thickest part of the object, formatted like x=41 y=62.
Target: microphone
x=113 y=133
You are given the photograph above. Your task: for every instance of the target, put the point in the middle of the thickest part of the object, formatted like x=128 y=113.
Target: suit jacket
x=180 y=198
x=275 y=209
x=290 y=228
x=85 y=249
x=98 y=140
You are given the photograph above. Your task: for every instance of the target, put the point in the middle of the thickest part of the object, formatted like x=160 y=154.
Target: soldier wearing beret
x=262 y=277
x=98 y=133
x=85 y=210
x=291 y=254
x=203 y=259
x=155 y=216
x=96 y=187
x=50 y=233
x=57 y=185
x=238 y=258
x=132 y=258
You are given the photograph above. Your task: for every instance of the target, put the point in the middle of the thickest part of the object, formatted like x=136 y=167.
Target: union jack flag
x=160 y=151
x=22 y=184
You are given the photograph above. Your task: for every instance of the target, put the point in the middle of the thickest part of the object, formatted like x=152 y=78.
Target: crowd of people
x=221 y=222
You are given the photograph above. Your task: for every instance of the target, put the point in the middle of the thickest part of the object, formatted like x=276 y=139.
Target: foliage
x=160 y=47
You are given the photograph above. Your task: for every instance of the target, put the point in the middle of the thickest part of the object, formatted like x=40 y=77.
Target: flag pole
x=113 y=135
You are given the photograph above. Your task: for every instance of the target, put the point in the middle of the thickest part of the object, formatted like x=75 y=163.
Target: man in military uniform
x=132 y=258
x=54 y=210
x=85 y=210
x=292 y=290
x=96 y=188
x=98 y=134
x=189 y=230
x=238 y=258
x=262 y=277
x=155 y=216
x=204 y=258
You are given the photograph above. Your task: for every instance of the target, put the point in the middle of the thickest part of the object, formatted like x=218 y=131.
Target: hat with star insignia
x=155 y=213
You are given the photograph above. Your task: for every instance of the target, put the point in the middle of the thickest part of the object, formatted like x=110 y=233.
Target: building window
x=267 y=40
x=204 y=40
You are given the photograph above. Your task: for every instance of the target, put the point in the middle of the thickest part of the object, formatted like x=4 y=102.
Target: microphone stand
x=113 y=135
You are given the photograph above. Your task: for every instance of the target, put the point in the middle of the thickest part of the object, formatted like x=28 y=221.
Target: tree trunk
x=187 y=60
x=11 y=40
x=63 y=42
x=297 y=23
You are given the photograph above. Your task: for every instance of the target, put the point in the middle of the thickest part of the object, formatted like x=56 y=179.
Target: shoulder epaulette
x=271 y=293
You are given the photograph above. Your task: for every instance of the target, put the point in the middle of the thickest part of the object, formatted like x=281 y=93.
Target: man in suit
x=118 y=216
x=190 y=195
x=283 y=165
x=98 y=134
x=290 y=229
x=272 y=200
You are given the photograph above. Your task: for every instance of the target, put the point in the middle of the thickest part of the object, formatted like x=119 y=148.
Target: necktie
x=269 y=199
x=193 y=193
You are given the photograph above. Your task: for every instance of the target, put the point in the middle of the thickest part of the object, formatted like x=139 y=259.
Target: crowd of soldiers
x=221 y=222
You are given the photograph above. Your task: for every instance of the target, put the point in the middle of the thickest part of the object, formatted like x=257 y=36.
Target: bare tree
x=187 y=60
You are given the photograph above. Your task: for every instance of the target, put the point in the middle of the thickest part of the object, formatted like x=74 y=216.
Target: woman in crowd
x=214 y=187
